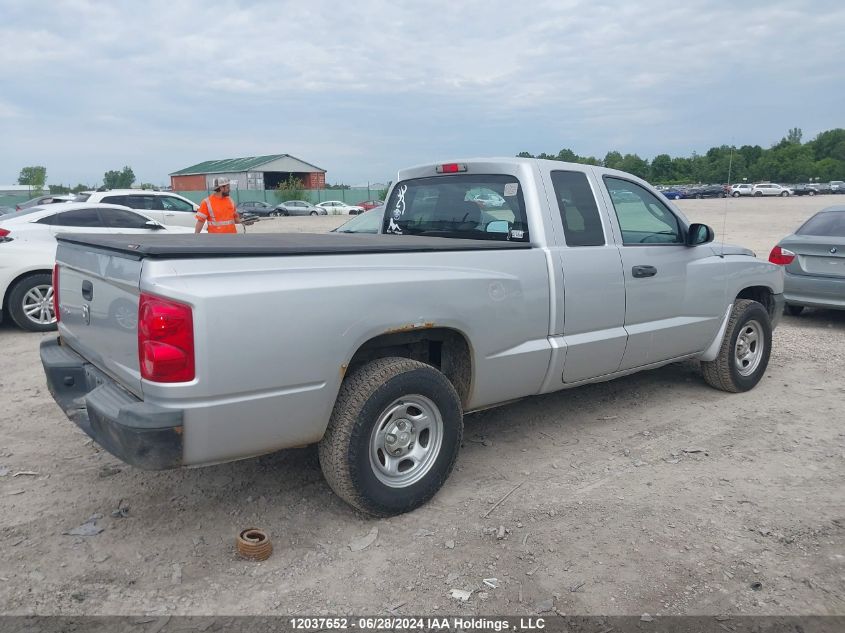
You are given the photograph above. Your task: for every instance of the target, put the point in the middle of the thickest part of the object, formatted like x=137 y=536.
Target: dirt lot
x=611 y=516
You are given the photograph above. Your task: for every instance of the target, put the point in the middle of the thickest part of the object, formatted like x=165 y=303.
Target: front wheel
x=393 y=437
x=313 y=213
x=784 y=194
x=31 y=303
x=735 y=194
x=758 y=194
x=811 y=193
x=745 y=350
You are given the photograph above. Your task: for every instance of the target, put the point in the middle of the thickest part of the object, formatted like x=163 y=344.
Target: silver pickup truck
x=490 y=280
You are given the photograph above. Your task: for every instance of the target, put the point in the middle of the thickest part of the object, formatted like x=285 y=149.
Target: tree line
x=788 y=161
x=35 y=176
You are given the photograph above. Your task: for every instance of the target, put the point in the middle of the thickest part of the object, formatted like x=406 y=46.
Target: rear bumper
x=814 y=292
x=140 y=434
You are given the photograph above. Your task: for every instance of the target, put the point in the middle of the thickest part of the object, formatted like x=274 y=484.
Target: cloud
x=364 y=88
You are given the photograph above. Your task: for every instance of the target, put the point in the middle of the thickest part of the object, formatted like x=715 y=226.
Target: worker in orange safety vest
x=218 y=210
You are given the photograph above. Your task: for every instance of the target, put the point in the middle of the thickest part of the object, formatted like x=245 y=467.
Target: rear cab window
x=827 y=224
x=578 y=209
x=462 y=206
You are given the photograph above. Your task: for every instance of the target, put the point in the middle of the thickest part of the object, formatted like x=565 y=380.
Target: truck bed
x=282 y=244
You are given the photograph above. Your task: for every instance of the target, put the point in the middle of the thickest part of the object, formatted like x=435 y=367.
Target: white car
x=28 y=252
x=741 y=190
x=336 y=207
x=163 y=206
x=770 y=189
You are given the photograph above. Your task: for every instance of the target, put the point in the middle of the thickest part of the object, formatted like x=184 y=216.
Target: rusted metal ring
x=254 y=544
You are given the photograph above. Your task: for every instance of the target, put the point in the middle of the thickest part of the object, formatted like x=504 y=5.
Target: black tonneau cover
x=204 y=245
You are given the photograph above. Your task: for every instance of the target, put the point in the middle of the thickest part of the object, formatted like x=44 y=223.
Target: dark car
x=706 y=191
x=256 y=208
x=806 y=190
x=42 y=200
x=673 y=194
x=813 y=259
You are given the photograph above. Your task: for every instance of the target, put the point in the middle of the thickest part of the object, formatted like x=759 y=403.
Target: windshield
x=480 y=207
x=828 y=224
x=367 y=222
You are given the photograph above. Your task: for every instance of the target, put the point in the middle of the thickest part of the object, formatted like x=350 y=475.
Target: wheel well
x=14 y=281
x=445 y=349
x=760 y=294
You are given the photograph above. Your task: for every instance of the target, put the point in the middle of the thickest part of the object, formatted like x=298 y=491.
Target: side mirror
x=699 y=234
x=498 y=226
x=153 y=225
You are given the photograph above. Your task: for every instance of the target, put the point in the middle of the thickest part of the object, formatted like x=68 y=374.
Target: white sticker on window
x=511 y=188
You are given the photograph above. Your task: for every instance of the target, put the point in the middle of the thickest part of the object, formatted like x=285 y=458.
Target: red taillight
x=4 y=232
x=56 y=291
x=781 y=256
x=451 y=168
x=165 y=340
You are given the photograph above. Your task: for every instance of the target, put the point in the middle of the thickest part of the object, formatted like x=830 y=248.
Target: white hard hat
x=219 y=182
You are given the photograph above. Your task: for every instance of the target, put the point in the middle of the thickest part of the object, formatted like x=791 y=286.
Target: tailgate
x=98 y=304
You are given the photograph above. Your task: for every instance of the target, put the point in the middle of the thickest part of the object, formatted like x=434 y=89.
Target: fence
x=315 y=196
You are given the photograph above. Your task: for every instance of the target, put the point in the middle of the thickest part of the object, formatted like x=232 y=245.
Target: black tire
x=17 y=295
x=735 y=194
x=313 y=213
x=784 y=194
x=811 y=193
x=723 y=372
x=286 y=213
x=758 y=194
x=793 y=309
x=346 y=450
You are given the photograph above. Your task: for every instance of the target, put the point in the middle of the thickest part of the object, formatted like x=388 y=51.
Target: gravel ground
x=652 y=493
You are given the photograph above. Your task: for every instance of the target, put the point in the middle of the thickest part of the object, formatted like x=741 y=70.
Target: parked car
x=163 y=206
x=770 y=189
x=805 y=190
x=366 y=222
x=837 y=186
x=5 y=210
x=28 y=252
x=337 y=207
x=298 y=207
x=673 y=194
x=449 y=310
x=46 y=199
x=706 y=191
x=256 y=208
x=743 y=189
x=366 y=205
x=814 y=262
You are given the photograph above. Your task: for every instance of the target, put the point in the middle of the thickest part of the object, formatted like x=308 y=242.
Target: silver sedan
x=814 y=262
x=298 y=207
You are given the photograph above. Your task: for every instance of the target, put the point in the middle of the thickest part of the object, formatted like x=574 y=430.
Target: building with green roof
x=251 y=172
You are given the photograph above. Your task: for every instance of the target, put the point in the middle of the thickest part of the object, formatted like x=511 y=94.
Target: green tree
x=35 y=176
x=661 y=168
x=122 y=179
x=633 y=164
x=794 y=136
x=292 y=189
x=612 y=160
x=525 y=155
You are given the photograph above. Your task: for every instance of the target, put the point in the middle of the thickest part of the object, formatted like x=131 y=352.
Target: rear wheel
x=811 y=193
x=393 y=437
x=784 y=194
x=745 y=350
x=31 y=303
x=758 y=194
x=313 y=213
x=793 y=309
x=735 y=194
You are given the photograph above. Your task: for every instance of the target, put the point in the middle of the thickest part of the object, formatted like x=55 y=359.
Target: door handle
x=643 y=271
x=87 y=290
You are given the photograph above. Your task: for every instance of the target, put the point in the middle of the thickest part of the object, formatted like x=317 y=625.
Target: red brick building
x=253 y=172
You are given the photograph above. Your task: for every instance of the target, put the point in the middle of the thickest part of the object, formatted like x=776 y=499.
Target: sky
x=365 y=88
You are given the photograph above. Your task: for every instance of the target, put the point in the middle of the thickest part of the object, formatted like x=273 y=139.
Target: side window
x=174 y=204
x=578 y=209
x=643 y=219
x=148 y=203
x=120 y=219
x=79 y=217
x=121 y=200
